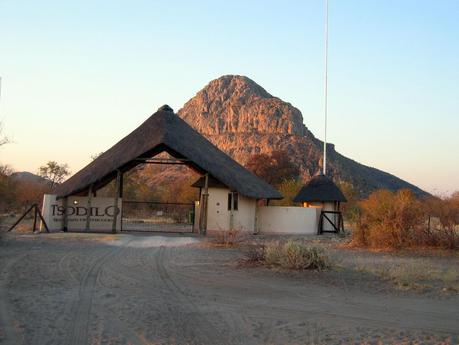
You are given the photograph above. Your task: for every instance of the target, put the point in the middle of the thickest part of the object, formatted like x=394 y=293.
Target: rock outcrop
x=242 y=119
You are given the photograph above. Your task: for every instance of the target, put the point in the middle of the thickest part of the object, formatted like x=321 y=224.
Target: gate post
x=88 y=208
x=256 y=228
x=203 y=213
x=231 y=223
x=117 y=193
x=65 y=216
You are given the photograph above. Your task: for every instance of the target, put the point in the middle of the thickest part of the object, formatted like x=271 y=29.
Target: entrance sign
x=101 y=213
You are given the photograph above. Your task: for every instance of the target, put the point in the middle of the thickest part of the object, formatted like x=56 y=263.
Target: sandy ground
x=137 y=289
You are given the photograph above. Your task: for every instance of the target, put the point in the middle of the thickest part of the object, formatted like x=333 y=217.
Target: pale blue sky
x=78 y=76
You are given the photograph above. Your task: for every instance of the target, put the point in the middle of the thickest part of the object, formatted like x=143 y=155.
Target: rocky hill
x=242 y=119
x=27 y=177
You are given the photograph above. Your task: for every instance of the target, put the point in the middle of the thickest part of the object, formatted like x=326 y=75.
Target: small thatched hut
x=320 y=192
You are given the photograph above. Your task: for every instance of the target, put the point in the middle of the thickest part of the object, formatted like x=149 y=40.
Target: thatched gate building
x=164 y=131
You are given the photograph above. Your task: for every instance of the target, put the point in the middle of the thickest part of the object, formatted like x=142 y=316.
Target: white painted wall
x=101 y=213
x=288 y=220
x=217 y=209
x=270 y=219
x=218 y=216
x=244 y=217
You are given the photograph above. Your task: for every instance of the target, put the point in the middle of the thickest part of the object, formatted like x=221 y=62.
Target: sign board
x=101 y=213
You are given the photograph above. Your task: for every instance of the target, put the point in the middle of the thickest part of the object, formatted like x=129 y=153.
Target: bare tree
x=54 y=172
x=3 y=139
x=8 y=189
x=97 y=155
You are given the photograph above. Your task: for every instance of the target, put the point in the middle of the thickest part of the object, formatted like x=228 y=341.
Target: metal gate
x=150 y=216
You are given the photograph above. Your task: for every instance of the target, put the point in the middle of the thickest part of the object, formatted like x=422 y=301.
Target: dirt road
x=170 y=290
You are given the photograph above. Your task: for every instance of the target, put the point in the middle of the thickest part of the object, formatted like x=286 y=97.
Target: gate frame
x=337 y=229
x=158 y=203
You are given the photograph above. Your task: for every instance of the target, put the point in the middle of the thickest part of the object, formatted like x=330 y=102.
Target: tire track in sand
x=196 y=328
x=49 y=335
x=7 y=327
x=112 y=318
x=78 y=334
x=41 y=336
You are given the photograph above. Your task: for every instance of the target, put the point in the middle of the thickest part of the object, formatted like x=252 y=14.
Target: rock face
x=236 y=104
x=241 y=118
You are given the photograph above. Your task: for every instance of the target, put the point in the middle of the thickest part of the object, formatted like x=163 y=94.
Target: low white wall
x=288 y=220
x=244 y=217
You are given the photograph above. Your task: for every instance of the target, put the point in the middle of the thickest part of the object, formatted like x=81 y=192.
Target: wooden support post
x=206 y=203
x=201 y=210
x=42 y=220
x=321 y=223
x=21 y=218
x=203 y=215
x=121 y=185
x=65 y=216
x=231 y=223
x=88 y=208
x=37 y=213
x=115 y=201
x=342 y=222
x=256 y=228
x=121 y=196
x=337 y=215
x=34 y=217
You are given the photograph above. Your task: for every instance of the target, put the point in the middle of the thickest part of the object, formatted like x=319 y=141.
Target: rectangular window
x=230 y=199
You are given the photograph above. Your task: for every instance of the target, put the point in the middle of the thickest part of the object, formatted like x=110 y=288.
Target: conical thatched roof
x=320 y=188
x=165 y=131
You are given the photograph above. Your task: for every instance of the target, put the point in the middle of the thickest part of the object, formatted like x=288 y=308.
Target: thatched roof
x=212 y=183
x=165 y=131
x=320 y=188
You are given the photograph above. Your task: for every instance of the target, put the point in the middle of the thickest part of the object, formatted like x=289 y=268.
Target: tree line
x=19 y=191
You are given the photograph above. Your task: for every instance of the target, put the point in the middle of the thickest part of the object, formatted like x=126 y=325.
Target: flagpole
x=326 y=89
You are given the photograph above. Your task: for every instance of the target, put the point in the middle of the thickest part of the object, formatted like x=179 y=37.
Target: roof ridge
x=166 y=131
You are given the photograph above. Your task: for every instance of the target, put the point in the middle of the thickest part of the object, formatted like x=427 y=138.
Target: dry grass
x=254 y=253
x=228 y=238
x=417 y=275
x=293 y=255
